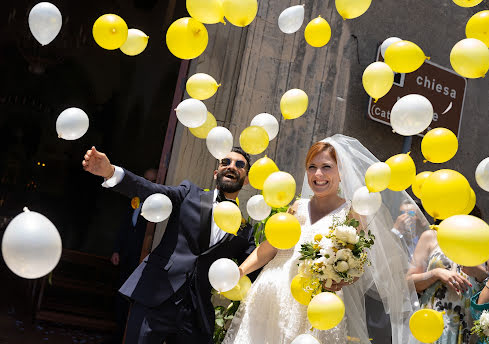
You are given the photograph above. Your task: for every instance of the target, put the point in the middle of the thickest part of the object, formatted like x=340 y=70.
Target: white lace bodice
x=270 y=314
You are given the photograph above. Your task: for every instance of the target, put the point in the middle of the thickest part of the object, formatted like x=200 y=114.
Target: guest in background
x=480 y=302
x=410 y=224
x=444 y=285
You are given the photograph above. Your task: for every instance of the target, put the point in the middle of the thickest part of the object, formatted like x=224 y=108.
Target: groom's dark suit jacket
x=183 y=257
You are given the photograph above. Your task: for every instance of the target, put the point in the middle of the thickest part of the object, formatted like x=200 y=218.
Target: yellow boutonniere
x=135 y=202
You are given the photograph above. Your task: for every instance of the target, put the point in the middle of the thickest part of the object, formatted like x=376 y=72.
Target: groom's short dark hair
x=239 y=150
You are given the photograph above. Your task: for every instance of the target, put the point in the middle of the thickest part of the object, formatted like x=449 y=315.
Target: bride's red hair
x=319 y=147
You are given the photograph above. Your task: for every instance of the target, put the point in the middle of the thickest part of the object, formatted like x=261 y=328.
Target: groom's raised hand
x=98 y=164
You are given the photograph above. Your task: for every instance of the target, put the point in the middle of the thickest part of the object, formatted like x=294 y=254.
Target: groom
x=170 y=288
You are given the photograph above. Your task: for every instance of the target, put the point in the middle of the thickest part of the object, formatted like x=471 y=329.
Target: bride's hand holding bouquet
x=337 y=257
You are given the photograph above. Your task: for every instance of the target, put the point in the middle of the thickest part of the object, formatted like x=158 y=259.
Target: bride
x=335 y=168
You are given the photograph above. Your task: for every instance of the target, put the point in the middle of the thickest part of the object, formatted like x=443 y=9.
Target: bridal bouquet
x=481 y=327
x=338 y=254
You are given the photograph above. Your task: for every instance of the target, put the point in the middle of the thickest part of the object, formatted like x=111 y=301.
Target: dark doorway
x=128 y=101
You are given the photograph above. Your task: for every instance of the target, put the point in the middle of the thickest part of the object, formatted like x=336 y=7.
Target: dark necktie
x=222 y=198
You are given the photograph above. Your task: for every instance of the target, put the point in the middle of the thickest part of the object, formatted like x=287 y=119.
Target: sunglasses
x=237 y=163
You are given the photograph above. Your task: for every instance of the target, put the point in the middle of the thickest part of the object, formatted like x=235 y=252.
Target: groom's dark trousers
x=170 y=288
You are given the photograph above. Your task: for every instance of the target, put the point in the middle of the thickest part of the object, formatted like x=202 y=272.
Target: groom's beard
x=229 y=186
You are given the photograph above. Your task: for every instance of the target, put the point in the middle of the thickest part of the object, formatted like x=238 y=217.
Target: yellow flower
x=135 y=201
x=318 y=237
x=315 y=246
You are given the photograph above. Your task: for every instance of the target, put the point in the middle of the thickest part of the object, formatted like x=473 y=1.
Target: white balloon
x=387 y=42
x=411 y=115
x=223 y=275
x=31 y=245
x=219 y=142
x=156 y=208
x=72 y=124
x=482 y=174
x=291 y=19
x=365 y=202
x=268 y=122
x=257 y=208
x=45 y=22
x=192 y=113
x=305 y=339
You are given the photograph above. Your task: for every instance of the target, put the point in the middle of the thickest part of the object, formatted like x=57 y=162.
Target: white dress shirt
x=216 y=232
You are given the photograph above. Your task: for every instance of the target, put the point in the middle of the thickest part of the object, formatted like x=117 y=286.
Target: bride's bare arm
x=258 y=258
x=262 y=254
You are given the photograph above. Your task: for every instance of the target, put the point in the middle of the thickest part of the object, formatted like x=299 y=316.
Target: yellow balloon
x=470 y=206
x=426 y=325
x=318 y=32
x=445 y=193
x=378 y=79
x=207 y=12
x=260 y=171
x=202 y=131
x=227 y=217
x=293 y=103
x=467 y=3
x=240 y=12
x=470 y=58
x=378 y=177
x=135 y=43
x=283 y=230
x=439 y=145
x=254 y=140
x=325 y=311
x=279 y=189
x=302 y=289
x=464 y=239
x=187 y=38
x=419 y=181
x=110 y=31
x=403 y=172
x=201 y=86
x=350 y=9
x=239 y=292
x=477 y=27
x=404 y=57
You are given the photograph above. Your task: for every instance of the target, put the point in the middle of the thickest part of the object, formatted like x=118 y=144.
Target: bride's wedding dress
x=270 y=315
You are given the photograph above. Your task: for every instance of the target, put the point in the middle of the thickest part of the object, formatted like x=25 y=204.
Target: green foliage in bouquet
x=478 y=329
x=223 y=319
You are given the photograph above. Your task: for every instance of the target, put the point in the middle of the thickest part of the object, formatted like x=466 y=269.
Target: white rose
x=355 y=272
x=330 y=273
x=343 y=254
x=353 y=262
x=342 y=266
x=347 y=234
